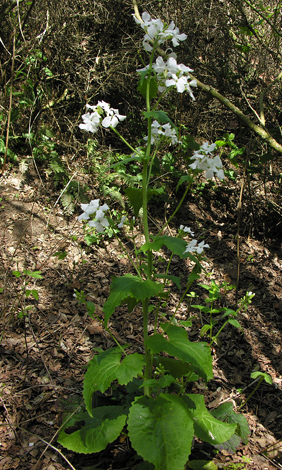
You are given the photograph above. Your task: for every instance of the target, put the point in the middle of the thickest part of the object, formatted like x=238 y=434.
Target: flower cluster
x=192 y=247
x=204 y=161
x=156 y=31
x=158 y=130
x=169 y=73
x=92 y=120
x=100 y=221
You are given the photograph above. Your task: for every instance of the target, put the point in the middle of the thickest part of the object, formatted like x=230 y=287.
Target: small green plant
x=259 y=378
x=19 y=304
x=226 y=314
x=239 y=465
x=227 y=141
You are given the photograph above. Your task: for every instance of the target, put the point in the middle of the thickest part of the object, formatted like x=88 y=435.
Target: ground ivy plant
x=149 y=402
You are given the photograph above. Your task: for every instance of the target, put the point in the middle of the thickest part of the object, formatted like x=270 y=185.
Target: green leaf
x=176 y=368
x=162 y=382
x=178 y=345
x=206 y=426
x=160 y=116
x=93 y=434
x=126 y=287
x=135 y=196
x=267 y=378
x=202 y=465
x=186 y=323
x=176 y=245
x=127 y=160
x=182 y=180
x=155 y=433
x=17 y=273
x=103 y=369
x=231 y=445
x=35 y=274
x=235 y=323
x=60 y=254
x=226 y=413
x=142 y=86
x=172 y=278
x=205 y=329
x=228 y=312
x=34 y=292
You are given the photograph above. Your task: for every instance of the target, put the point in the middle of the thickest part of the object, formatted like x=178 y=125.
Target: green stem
x=211 y=321
x=123 y=139
x=218 y=333
x=251 y=394
x=147 y=372
x=176 y=210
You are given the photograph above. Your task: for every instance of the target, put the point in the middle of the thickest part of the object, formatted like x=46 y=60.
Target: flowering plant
x=158 y=415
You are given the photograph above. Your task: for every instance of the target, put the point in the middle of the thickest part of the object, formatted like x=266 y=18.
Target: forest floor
x=43 y=355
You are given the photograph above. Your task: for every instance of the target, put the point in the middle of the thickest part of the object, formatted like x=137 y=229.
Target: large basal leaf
x=207 y=427
x=103 y=369
x=178 y=345
x=93 y=434
x=226 y=413
x=161 y=431
x=176 y=245
x=129 y=286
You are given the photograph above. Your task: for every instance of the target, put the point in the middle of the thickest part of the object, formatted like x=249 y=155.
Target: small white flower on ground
x=120 y=225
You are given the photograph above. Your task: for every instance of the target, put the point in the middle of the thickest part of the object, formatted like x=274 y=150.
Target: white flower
x=208 y=148
x=100 y=221
x=89 y=209
x=173 y=33
x=120 y=225
x=205 y=162
x=155 y=30
x=113 y=118
x=181 y=84
x=99 y=224
x=91 y=122
x=158 y=130
x=186 y=230
x=193 y=248
x=171 y=133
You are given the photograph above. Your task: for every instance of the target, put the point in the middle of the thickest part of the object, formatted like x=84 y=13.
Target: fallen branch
x=212 y=91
